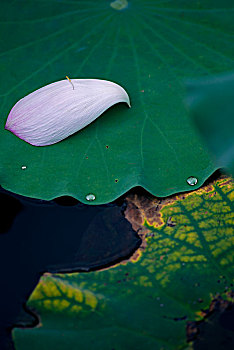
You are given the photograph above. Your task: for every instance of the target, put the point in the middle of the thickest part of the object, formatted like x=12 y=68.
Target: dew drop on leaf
x=90 y=197
x=192 y=180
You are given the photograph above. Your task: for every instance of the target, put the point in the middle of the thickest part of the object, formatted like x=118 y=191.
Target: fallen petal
x=58 y=110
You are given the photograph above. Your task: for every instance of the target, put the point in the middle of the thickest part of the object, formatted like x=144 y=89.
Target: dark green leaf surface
x=211 y=101
x=144 y=303
x=148 y=47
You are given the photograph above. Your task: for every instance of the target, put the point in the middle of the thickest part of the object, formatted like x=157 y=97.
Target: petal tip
x=7 y=126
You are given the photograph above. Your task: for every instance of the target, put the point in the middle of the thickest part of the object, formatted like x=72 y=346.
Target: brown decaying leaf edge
x=142 y=208
x=218 y=305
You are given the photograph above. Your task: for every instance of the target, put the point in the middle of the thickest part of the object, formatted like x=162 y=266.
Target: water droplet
x=119 y=4
x=23 y=167
x=192 y=180
x=90 y=197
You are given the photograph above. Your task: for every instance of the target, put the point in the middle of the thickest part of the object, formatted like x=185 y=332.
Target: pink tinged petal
x=58 y=110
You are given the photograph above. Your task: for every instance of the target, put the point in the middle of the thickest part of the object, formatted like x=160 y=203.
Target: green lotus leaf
x=149 y=48
x=211 y=101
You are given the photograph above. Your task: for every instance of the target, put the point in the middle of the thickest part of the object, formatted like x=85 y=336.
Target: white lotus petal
x=58 y=110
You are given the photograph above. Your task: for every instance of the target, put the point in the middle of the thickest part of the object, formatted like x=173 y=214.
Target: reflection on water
x=55 y=236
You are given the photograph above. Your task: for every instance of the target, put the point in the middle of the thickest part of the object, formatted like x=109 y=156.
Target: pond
x=61 y=235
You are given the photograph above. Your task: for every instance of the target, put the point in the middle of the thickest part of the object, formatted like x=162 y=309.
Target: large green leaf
x=148 y=47
x=144 y=303
x=211 y=101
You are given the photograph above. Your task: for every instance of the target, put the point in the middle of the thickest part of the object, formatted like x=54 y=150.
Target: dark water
x=54 y=236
